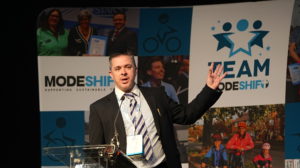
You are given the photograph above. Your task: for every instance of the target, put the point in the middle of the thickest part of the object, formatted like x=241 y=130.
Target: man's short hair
x=114 y=55
x=120 y=13
x=148 y=66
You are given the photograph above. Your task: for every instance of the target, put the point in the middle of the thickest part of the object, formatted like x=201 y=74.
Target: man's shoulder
x=144 y=87
x=129 y=31
x=151 y=89
x=103 y=100
x=167 y=85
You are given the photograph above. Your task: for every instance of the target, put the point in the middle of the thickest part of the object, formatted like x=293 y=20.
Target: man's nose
x=123 y=71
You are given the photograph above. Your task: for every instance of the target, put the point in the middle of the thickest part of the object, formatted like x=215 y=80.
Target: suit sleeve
x=96 y=135
x=190 y=113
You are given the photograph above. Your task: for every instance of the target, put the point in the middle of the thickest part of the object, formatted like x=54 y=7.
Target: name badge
x=134 y=145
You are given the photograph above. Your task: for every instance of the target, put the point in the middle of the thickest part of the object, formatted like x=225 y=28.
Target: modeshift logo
x=243 y=39
x=77 y=83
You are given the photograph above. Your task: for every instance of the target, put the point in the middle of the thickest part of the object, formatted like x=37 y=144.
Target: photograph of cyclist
x=238 y=144
x=217 y=155
x=264 y=159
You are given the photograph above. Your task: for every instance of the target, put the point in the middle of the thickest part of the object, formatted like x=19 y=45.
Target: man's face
x=119 y=21
x=157 y=70
x=123 y=72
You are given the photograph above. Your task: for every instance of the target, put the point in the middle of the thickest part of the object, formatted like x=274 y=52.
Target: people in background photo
x=121 y=39
x=80 y=35
x=156 y=72
x=217 y=155
x=293 y=85
x=52 y=37
x=182 y=81
x=294 y=45
x=238 y=144
x=264 y=159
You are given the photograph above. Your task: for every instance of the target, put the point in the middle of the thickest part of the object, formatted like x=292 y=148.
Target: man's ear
x=110 y=74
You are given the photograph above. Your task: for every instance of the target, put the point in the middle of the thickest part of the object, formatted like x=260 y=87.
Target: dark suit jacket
x=126 y=42
x=165 y=112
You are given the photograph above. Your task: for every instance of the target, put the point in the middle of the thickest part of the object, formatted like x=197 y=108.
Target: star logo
x=243 y=40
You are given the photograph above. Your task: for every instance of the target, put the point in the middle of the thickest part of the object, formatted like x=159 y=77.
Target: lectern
x=89 y=156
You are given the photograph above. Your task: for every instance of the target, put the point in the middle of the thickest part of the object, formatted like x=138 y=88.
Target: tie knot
x=129 y=95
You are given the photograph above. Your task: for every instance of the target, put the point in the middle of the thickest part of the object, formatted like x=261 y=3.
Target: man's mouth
x=125 y=80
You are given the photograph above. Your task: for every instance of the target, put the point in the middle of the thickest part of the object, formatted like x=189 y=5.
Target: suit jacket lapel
x=119 y=122
x=151 y=102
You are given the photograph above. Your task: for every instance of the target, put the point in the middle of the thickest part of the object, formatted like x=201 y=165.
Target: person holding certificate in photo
x=80 y=35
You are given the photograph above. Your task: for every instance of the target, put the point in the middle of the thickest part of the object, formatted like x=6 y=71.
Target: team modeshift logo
x=243 y=40
x=254 y=72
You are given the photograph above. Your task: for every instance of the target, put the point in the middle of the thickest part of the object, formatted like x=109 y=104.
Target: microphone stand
x=115 y=139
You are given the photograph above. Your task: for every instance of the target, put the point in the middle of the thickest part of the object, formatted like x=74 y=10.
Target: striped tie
x=140 y=126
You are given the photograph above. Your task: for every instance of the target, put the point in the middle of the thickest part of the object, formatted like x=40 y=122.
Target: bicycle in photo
x=164 y=37
x=237 y=159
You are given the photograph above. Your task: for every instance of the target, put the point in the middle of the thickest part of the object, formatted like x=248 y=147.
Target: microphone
x=115 y=139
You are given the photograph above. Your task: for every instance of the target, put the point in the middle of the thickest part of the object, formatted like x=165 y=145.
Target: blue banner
x=165 y=32
x=61 y=128
x=292 y=131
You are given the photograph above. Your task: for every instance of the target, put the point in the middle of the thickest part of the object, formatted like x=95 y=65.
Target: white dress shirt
x=143 y=107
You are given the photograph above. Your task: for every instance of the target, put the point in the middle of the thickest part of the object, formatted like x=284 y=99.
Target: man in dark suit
x=157 y=113
x=121 y=39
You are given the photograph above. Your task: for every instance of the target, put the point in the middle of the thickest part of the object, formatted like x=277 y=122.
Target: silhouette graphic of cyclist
x=57 y=137
x=172 y=44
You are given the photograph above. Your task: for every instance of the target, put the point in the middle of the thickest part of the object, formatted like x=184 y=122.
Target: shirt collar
x=119 y=93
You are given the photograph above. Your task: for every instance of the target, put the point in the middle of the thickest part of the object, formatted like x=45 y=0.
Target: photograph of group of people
x=59 y=37
x=238 y=137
